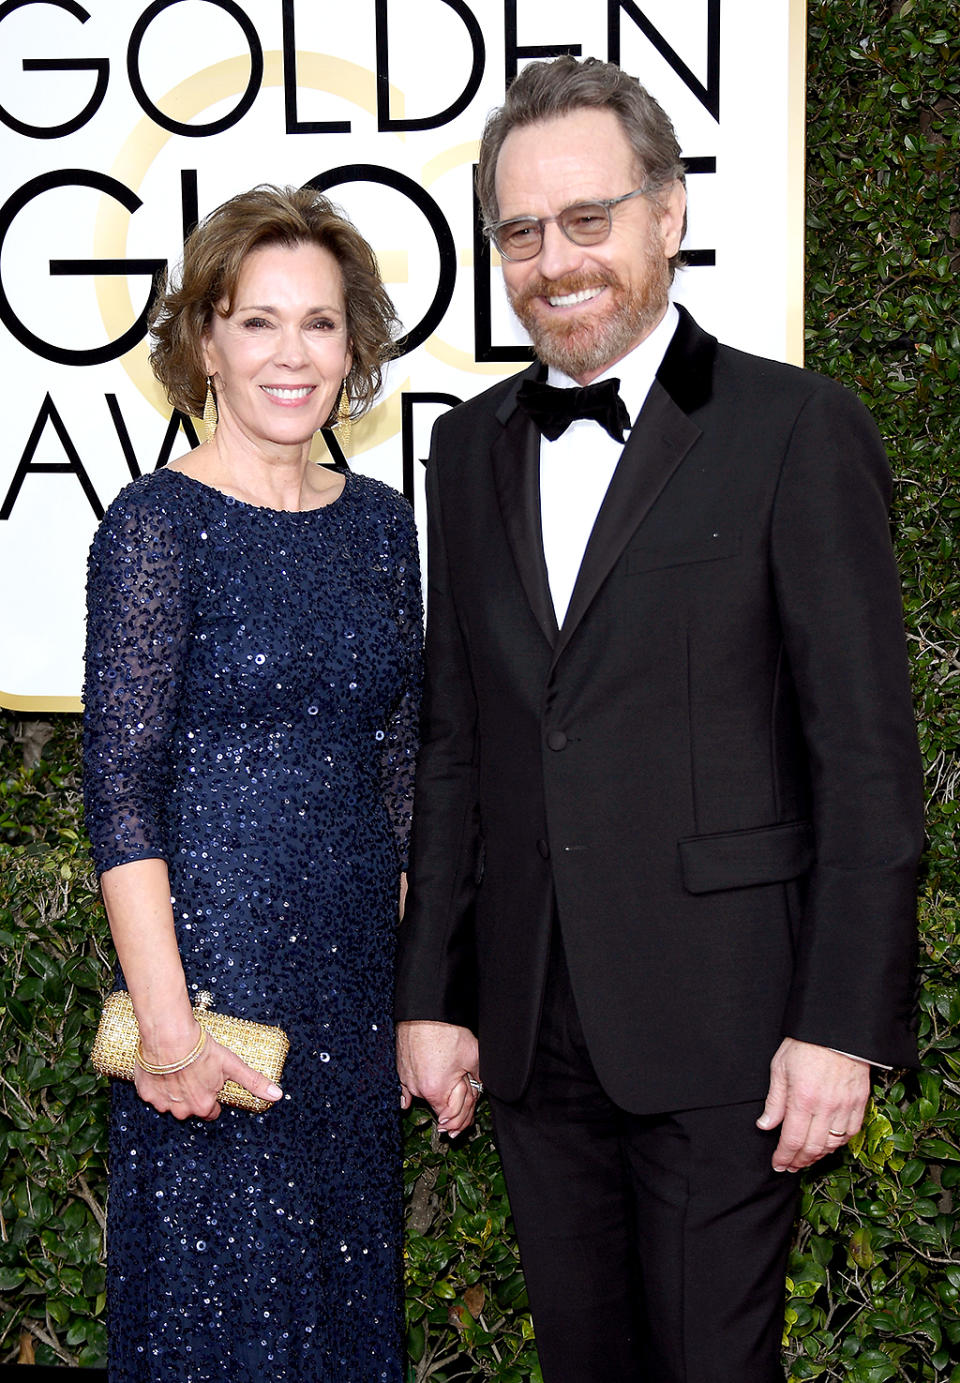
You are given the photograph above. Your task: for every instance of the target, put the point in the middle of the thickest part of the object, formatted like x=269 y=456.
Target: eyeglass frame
x=541 y=222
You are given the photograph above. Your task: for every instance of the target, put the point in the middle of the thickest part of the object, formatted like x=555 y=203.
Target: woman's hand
x=137 y=898
x=194 y=1090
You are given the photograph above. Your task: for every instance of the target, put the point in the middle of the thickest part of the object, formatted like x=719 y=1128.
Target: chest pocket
x=678 y=553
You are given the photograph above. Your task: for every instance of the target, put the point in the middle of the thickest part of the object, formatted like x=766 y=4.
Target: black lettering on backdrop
x=699 y=259
x=101 y=182
x=72 y=466
x=512 y=51
x=485 y=352
x=337 y=458
x=167 y=122
x=174 y=423
x=447 y=277
x=293 y=124
x=426 y=122
x=98 y=65
x=709 y=95
x=408 y=402
x=189 y=200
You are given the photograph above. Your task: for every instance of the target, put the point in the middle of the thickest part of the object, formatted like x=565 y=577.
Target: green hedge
x=875 y=1276
x=53 y=1108
x=883 y=313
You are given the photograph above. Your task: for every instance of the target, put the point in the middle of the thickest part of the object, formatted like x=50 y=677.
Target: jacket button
x=543 y=849
x=557 y=740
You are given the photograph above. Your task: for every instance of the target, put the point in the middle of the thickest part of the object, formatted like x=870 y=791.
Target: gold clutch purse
x=259 y=1045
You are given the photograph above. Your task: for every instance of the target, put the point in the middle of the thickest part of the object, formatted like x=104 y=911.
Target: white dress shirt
x=577 y=468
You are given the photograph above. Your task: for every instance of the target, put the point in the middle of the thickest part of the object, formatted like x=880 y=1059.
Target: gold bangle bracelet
x=174 y=1066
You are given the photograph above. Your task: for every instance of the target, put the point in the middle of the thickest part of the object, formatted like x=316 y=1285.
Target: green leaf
x=59 y=1310
x=861 y=1248
x=939 y=1148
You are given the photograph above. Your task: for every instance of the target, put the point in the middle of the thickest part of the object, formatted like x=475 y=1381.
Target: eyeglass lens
x=585 y=224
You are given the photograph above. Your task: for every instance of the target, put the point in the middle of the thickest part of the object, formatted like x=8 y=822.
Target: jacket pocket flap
x=740 y=859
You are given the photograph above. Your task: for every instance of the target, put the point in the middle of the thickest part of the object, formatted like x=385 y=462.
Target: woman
x=252 y=658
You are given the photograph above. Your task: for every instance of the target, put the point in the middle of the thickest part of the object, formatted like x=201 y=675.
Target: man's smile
x=574 y=299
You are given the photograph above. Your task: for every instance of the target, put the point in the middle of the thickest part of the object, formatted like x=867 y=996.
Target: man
x=668 y=804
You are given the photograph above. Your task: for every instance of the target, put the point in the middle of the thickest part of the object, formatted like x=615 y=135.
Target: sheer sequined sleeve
x=402 y=731
x=136 y=627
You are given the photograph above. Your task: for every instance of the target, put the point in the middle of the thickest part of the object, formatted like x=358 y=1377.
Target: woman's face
x=278 y=360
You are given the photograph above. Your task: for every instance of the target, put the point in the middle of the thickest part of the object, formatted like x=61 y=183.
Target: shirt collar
x=638 y=368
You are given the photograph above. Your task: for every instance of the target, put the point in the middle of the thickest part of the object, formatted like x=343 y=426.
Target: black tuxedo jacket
x=709 y=775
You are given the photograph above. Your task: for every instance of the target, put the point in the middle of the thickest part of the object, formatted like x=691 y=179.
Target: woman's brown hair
x=212 y=259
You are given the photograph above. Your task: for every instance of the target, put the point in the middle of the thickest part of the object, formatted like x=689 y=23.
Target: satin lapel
x=657 y=444
x=516 y=473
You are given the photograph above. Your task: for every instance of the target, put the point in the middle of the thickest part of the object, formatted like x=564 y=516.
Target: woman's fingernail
x=274 y=1092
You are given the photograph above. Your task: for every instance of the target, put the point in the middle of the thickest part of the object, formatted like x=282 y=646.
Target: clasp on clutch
x=203 y=1000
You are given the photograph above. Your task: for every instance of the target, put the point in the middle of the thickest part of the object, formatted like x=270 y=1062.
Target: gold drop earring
x=210 y=414
x=344 y=423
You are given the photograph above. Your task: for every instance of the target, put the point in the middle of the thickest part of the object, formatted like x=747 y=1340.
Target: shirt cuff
x=865 y=1059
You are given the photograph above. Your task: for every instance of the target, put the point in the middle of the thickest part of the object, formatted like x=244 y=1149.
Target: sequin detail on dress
x=251 y=718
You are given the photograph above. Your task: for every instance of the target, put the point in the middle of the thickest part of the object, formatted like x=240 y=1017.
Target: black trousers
x=654 y=1247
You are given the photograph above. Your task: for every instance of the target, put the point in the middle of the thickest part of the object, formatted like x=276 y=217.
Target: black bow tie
x=553 y=410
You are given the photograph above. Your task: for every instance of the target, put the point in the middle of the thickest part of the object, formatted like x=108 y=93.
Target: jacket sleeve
x=436 y=976
x=838 y=595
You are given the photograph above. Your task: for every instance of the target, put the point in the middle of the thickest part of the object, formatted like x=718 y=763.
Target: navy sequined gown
x=250 y=718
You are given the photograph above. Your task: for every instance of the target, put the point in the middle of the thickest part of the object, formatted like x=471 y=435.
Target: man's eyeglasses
x=585 y=223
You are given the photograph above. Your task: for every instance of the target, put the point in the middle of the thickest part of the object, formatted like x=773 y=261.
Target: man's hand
x=434 y=1061
x=818 y=1096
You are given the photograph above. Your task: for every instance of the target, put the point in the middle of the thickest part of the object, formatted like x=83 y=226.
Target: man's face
x=586 y=306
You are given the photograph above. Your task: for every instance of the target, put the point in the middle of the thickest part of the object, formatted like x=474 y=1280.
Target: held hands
x=435 y=1062
x=818 y=1096
x=193 y=1090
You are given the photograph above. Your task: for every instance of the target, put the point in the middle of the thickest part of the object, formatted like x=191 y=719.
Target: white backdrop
x=121 y=121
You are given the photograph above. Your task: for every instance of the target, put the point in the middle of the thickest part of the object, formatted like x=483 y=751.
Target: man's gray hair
x=544 y=90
